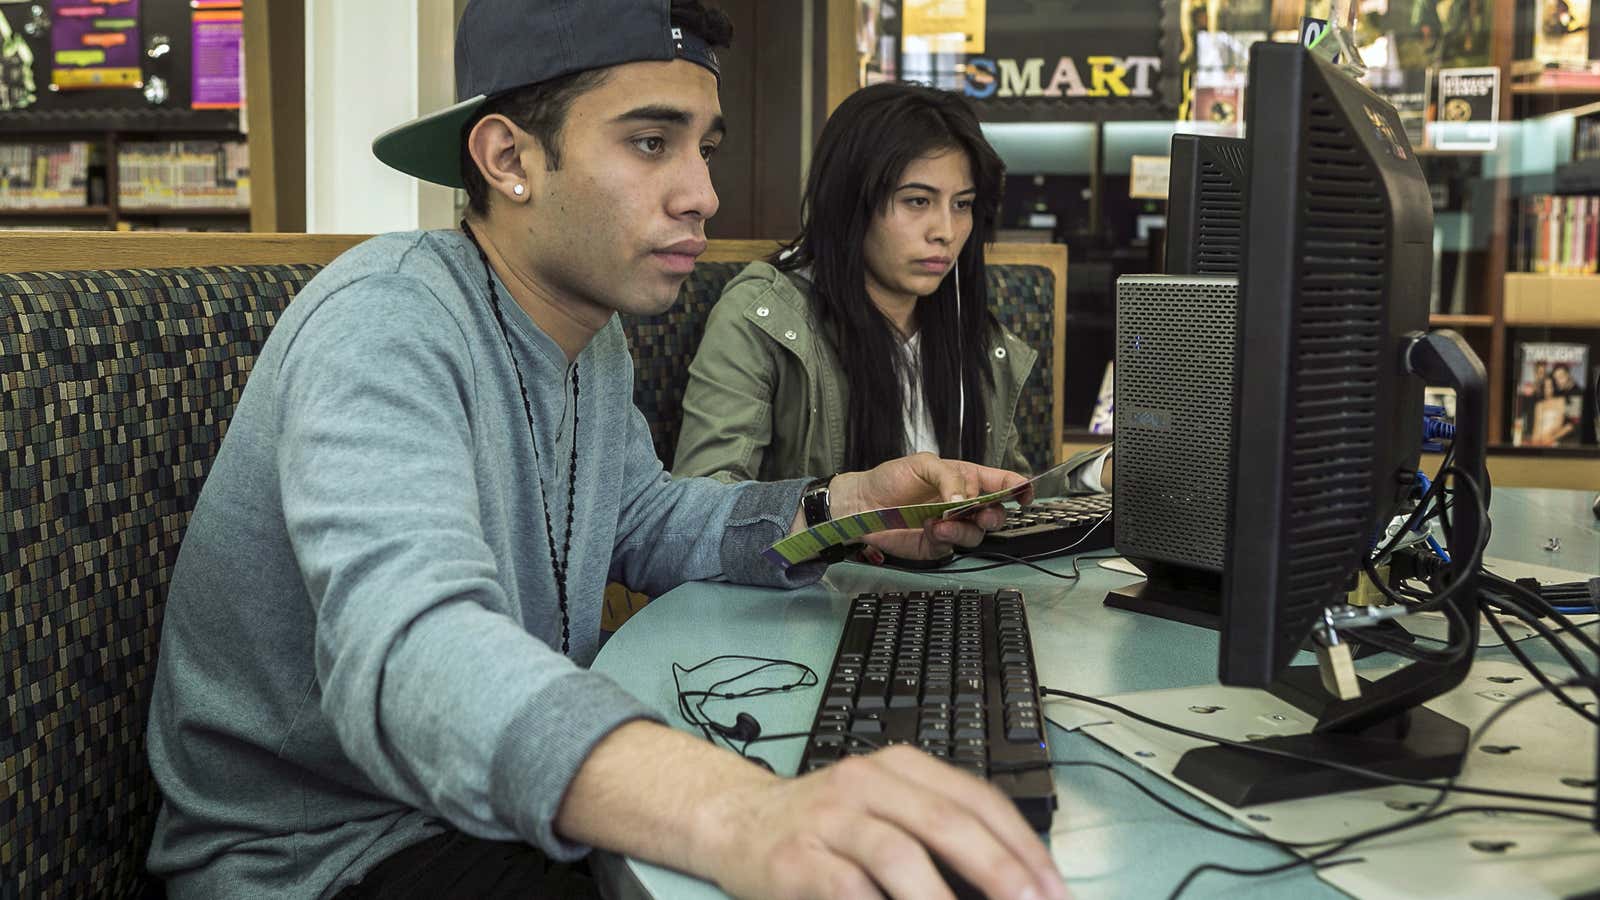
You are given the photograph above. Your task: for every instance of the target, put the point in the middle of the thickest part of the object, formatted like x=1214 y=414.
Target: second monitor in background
x=1206 y=199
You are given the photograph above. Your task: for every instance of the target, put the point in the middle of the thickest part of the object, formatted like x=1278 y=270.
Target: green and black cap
x=502 y=45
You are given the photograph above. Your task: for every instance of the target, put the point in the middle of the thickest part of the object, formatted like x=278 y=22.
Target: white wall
x=370 y=65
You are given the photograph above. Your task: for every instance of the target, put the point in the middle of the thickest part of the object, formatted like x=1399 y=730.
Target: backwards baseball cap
x=502 y=45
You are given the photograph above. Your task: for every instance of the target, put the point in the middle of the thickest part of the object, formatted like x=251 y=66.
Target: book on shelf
x=50 y=175
x=1548 y=394
x=1551 y=36
x=1557 y=234
x=183 y=175
x=1103 y=419
x=1586 y=138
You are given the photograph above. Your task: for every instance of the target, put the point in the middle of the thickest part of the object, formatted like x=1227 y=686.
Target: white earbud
x=961 y=361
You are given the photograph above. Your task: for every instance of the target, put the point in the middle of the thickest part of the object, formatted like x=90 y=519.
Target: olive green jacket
x=767 y=397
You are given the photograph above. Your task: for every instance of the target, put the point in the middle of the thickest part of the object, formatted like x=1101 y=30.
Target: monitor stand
x=1415 y=743
x=1177 y=593
x=1386 y=729
x=1194 y=597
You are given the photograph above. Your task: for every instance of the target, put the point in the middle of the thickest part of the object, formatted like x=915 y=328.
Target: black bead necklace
x=559 y=567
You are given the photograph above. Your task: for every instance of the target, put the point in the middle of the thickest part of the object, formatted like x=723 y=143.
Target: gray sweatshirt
x=361 y=641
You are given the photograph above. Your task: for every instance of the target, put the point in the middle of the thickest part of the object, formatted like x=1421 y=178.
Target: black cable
x=1567 y=654
x=1534 y=670
x=695 y=713
x=1450 y=654
x=1540 y=606
x=1367 y=774
x=1471 y=561
x=1434 y=488
x=1203 y=868
x=1345 y=842
x=1591 y=683
x=1521 y=640
x=1169 y=805
x=1316 y=858
x=1026 y=561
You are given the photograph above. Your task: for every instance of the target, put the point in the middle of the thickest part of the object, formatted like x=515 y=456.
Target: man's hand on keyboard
x=924 y=478
x=865 y=827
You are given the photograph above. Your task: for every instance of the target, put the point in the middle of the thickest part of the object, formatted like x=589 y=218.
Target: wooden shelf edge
x=1552 y=323
x=1568 y=90
x=1452 y=320
x=183 y=210
x=46 y=212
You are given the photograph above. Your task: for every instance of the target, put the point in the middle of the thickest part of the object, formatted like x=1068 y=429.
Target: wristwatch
x=814 y=502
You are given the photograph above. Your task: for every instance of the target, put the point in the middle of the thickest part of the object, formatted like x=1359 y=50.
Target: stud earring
x=517 y=189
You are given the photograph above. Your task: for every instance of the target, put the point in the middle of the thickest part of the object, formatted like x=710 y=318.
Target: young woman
x=870 y=336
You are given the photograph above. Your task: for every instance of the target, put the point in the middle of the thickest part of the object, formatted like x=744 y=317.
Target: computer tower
x=1172 y=409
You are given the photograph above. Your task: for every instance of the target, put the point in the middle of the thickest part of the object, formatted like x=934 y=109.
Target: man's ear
x=503 y=154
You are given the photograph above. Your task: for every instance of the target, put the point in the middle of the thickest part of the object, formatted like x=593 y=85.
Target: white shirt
x=918 y=423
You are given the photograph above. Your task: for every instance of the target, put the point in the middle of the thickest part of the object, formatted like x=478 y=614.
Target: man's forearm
x=652 y=793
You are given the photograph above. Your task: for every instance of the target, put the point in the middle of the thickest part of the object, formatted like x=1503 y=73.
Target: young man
x=372 y=677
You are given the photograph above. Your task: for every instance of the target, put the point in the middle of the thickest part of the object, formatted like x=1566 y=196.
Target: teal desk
x=1109 y=840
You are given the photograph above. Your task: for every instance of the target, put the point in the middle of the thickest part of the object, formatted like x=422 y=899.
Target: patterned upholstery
x=116 y=388
x=1023 y=299
x=664 y=345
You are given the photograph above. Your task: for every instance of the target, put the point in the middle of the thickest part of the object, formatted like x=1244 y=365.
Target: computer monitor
x=1329 y=367
x=1206 y=197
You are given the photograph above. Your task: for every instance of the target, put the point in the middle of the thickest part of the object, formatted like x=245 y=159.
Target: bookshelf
x=114 y=154
x=1526 y=306
x=183 y=47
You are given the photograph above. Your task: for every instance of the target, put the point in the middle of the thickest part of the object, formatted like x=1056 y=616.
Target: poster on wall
x=1040 y=60
x=1218 y=81
x=1115 y=62
x=961 y=20
x=17 y=88
x=877 y=39
x=95 y=45
x=1467 y=107
x=1561 y=34
x=217 y=72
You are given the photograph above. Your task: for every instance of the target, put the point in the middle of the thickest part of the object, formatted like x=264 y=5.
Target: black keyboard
x=1069 y=524
x=950 y=671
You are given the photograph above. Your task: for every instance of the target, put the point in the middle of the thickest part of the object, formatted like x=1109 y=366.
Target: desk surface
x=1108 y=840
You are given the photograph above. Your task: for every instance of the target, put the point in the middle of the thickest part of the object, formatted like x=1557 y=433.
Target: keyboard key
x=867 y=724
x=969 y=689
x=970 y=728
x=1022 y=732
x=904 y=693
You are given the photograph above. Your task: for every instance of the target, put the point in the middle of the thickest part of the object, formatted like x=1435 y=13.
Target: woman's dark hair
x=864 y=150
